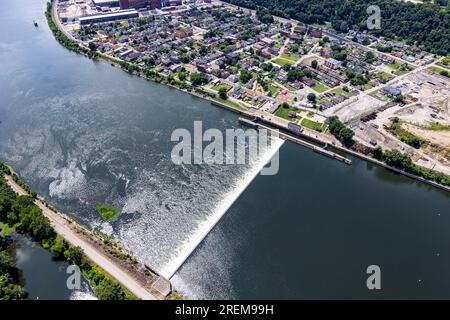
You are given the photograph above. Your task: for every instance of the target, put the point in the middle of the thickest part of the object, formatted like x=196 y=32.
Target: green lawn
x=290 y=57
x=230 y=103
x=274 y=90
x=445 y=63
x=282 y=62
x=284 y=112
x=338 y=91
x=438 y=70
x=218 y=87
x=384 y=75
x=320 y=127
x=320 y=87
x=368 y=86
x=401 y=72
x=108 y=213
x=394 y=66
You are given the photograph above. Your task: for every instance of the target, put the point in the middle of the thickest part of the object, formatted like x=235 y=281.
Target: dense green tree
x=199 y=78
x=109 y=290
x=311 y=97
x=9 y=290
x=245 y=76
x=378 y=153
x=59 y=247
x=264 y=15
x=92 y=46
x=223 y=93
x=340 y=131
x=74 y=255
x=6 y=262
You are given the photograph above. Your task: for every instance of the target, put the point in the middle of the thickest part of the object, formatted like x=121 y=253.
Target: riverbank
x=107 y=257
x=198 y=91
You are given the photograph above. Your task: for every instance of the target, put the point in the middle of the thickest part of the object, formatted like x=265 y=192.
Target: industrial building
x=126 y=4
x=106 y=17
x=106 y=3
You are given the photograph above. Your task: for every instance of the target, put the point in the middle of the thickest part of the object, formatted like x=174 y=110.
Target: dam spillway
x=204 y=227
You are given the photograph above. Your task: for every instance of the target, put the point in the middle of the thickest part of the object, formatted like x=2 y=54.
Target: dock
x=296 y=139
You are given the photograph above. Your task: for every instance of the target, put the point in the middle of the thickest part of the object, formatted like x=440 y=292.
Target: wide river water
x=83 y=132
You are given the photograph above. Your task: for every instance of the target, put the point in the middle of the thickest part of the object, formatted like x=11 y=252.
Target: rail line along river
x=82 y=133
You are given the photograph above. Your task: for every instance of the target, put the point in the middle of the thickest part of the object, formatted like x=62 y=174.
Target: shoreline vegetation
x=390 y=159
x=20 y=213
x=24 y=214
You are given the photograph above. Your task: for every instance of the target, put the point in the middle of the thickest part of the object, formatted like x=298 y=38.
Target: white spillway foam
x=187 y=247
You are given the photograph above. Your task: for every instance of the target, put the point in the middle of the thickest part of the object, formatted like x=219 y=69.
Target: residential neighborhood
x=300 y=73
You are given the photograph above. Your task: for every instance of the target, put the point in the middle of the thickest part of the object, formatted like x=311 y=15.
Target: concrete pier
x=296 y=140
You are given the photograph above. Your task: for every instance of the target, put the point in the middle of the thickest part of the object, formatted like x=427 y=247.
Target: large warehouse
x=105 y=17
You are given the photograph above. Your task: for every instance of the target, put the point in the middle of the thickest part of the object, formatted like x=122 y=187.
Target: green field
x=218 y=87
x=108 y=213
x=274 y=90
x=438 y=70
x=338 y=91
x=394 y=66
x=368 y=86
x=445 y=62
x=282 y=62
x=289 y=57
x=320 y=127
x=230 y=103
x=320 y=87
x=284 y=112
x=384 y=75
x=401 y=72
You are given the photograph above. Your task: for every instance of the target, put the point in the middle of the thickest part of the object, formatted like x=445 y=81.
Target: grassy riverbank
x=60 y=36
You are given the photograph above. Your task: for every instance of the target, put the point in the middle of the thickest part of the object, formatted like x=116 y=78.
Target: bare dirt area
x=439 y=138
x=363 y=105
x=431 y=91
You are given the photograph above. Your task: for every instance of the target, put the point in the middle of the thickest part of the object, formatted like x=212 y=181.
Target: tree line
x=22 y=215
x=402 y=161
x=393 y=158
x=426 y=24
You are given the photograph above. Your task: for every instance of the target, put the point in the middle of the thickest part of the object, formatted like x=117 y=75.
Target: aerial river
x=83 y=132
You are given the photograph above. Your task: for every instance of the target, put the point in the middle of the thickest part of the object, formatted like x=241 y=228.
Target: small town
x=224 y=150
x=390 y=94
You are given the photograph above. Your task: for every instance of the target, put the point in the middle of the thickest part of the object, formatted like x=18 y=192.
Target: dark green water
x=311 y=231
x=45 y=279
x=83 y=133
